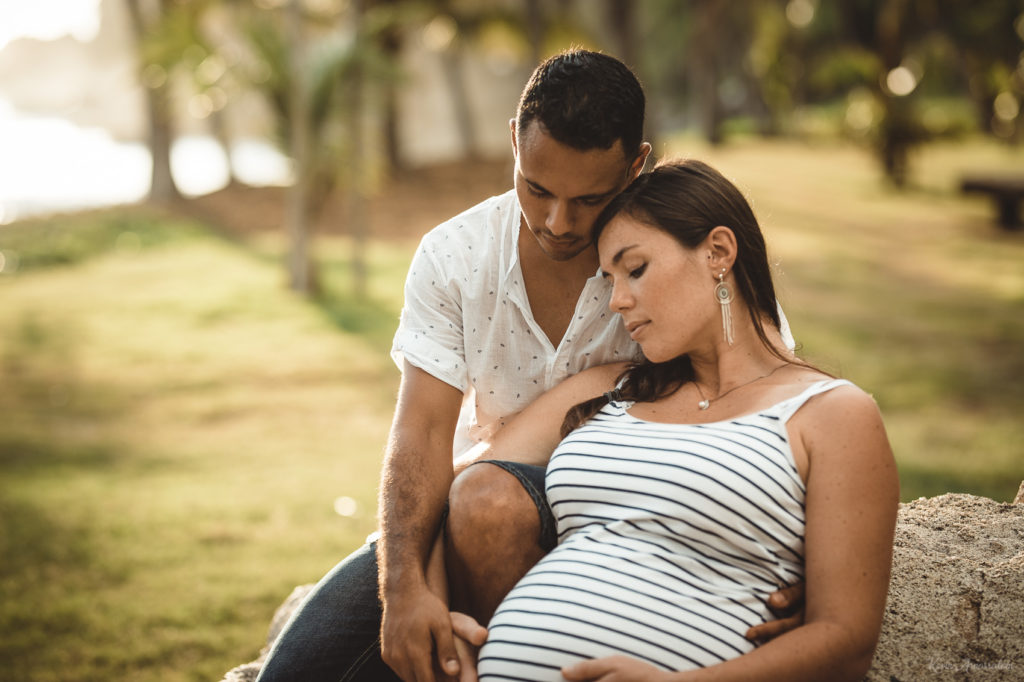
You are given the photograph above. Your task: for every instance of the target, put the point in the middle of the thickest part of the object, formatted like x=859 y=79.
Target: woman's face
x=664 y=291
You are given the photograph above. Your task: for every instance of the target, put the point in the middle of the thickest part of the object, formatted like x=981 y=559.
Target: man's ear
x=637 y=166
x=720 y=246
x=515 y=142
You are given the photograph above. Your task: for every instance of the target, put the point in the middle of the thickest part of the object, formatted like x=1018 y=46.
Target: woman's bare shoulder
x=841 y=421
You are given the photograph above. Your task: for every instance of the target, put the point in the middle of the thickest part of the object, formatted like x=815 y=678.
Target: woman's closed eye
x=637 y=272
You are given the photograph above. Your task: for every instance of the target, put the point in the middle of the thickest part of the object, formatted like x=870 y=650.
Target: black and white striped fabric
x=671 y=538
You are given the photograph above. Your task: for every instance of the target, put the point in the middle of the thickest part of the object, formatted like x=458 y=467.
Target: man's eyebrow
x=585 y=197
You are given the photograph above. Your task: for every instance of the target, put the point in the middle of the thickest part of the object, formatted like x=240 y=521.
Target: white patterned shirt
x=467 y=321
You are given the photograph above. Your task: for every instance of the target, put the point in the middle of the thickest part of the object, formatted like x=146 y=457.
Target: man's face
x=562 y=190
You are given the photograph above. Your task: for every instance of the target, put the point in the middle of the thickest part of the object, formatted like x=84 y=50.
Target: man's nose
x=559 y=220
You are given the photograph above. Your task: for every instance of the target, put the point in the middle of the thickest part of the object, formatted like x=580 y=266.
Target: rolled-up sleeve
x=430 y=331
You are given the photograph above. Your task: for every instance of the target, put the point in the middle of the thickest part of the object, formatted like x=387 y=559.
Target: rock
x=247 y=672
x=956 y=598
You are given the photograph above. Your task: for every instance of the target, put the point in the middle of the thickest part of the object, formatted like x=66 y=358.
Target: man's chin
x=563 y=256
x=563 y=252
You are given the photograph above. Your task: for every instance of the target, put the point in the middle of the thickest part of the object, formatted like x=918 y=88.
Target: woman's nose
x=620 y=300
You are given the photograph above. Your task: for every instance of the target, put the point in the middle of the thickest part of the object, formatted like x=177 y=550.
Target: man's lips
x=561 y=241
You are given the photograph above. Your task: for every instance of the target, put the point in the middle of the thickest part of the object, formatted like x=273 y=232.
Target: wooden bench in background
x=1008 y=192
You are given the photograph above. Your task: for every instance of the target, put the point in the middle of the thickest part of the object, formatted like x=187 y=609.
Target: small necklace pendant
x=704 y=404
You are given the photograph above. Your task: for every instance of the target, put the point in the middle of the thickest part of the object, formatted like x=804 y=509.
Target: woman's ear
x=720 y=246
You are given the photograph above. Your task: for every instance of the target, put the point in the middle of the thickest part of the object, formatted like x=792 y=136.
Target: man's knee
x=486 y=497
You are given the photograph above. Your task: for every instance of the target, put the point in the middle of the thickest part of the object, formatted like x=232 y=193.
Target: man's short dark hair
x=586 y=100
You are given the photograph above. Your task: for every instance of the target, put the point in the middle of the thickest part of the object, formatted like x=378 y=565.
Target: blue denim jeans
x=334 y=635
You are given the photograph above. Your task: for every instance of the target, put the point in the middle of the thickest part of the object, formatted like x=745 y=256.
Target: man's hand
x=613 y=669
x=414 y=627
x=788 y=604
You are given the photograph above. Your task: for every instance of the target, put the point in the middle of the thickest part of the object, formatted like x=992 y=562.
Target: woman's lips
x=635 y=328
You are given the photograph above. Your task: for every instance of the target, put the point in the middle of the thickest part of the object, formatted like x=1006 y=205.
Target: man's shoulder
x=482 y=221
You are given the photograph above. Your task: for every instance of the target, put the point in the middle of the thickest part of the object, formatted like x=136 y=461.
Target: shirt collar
x=510 y=238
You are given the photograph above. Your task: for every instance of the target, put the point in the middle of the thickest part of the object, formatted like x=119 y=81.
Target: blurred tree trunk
x=452 y=65
x=452 y=68
x=535 y=30
x=897 y=130
x=219 y=130
x=623 y=23
x=703 y=67
x=300 y=271
x=356 y=186
x=622 y=20
x=158 y=102
x=390 y=40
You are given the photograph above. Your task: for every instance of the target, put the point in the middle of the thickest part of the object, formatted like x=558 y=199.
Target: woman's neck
x=725 y=367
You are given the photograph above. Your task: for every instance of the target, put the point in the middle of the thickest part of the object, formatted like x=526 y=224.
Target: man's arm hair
x=416 y=476
x=417 y=471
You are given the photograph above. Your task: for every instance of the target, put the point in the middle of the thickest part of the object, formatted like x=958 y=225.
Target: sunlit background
x=72 y=115
x=207 y=208
x=61 y=150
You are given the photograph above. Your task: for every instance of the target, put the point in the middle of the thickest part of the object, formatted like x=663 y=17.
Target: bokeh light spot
x=345 y=506
x=800 y=13
x=1006 y=106
x=439 y=33
x=901 y=81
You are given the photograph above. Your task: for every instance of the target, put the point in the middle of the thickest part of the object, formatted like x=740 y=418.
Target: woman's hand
x=469 y=637
x=614 y=669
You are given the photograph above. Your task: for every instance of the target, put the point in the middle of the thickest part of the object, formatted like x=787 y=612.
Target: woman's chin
x=657 y=355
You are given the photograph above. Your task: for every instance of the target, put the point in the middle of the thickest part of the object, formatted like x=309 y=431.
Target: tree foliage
x=889 y=73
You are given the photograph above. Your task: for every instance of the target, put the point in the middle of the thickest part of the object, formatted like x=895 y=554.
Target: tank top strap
x=614 y=396
x=787 y=408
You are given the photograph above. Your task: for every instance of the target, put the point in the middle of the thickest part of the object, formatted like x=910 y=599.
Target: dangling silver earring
x=724 y=296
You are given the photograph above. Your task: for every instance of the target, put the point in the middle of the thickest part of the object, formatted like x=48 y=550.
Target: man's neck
x=553 y=287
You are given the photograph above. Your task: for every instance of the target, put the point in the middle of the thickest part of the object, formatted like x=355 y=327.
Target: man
x=502 y=303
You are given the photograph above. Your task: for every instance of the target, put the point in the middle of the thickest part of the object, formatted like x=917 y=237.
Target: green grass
x=175 y=426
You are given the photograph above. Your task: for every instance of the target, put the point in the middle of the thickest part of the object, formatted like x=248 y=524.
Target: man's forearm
x=417 y=473
x=410 y=515
x=416 y=625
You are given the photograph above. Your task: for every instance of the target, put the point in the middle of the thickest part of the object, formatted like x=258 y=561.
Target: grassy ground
x=176 y=428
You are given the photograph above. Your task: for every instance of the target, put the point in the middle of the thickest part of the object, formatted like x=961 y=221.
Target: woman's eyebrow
x=617 y=257
x=622 y=252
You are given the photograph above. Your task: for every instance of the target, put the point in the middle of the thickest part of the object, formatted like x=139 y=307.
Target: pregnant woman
x=702 y=479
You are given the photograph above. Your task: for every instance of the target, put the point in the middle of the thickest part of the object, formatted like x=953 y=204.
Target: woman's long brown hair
x=687 y=199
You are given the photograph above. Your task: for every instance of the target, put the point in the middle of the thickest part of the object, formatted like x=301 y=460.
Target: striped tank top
x=671 y=537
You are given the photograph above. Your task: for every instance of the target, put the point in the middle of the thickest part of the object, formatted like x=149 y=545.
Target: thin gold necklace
x=705 y=403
